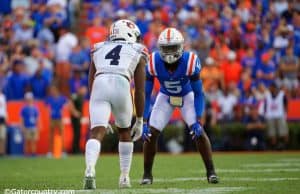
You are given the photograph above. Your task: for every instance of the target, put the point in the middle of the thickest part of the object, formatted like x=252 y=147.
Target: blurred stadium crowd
x=245 y=46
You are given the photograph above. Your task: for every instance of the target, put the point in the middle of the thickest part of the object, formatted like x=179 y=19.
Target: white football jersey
x=118 y=57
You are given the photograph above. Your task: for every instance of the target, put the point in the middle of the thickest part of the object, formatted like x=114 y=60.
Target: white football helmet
x=125 y=30
x=170 y=44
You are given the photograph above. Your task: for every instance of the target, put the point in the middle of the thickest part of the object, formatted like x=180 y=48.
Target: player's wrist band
x=139 y=119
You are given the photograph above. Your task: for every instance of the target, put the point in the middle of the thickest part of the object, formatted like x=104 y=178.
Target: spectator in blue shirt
x=55 y=19
x=38 y=15
x=39 y=83
x=249 y=61
x=266 y=70
x=77 y=80
x=296 y=31
x=17 y=82
x=78 y=59
x=30 y=115
x=55 y=102
x=141 y=21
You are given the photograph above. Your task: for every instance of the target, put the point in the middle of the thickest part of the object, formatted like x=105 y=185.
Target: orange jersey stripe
x=151 y=65
x=191 y=64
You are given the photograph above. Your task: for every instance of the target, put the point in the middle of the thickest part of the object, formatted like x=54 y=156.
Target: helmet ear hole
x=139 y=38
x=129 y=35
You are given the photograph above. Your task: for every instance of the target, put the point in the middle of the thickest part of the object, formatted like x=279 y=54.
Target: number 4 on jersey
x=114 y=55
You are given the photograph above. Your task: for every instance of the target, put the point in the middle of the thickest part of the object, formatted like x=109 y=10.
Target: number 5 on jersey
x=173 y=87
x=114 y=55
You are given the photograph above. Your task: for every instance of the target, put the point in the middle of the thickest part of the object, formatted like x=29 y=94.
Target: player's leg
x=92 y=150
x=122 y=109
x=150 y=149
x=99 y=109
x=202 y=142
x=125 y=150
x=99 y=115
x=160 y=116
x=204 y=147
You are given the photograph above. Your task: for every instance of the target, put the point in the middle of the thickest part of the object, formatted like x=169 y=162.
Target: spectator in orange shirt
x=231 y=69
x=220 y=48
x=97 y=32
x=211 y=74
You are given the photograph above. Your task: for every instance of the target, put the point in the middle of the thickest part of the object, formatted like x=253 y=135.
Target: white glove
x=137 y=129
x=109 y=129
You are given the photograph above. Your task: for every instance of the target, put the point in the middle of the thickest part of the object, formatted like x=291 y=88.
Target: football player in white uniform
x=114 y=64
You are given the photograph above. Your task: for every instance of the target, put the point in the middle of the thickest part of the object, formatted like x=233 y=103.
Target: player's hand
x=146 y=133
x=109 y=129
x=137 y=129
x=196 y=130
x=77 y=114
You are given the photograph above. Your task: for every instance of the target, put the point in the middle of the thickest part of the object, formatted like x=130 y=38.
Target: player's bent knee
x=203 y=137
x=154 y=133
x=98 y=133
x=124 y=134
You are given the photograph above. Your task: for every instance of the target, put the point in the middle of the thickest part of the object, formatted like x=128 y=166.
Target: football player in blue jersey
x=180 y=86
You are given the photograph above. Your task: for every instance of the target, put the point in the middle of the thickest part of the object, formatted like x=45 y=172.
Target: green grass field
x=255 y=173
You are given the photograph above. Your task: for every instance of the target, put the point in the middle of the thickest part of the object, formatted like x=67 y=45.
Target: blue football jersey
x=175 y=83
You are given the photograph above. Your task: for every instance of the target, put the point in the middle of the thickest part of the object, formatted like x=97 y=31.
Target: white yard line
x=215 y=190
x=248 y=179
x=259 y=170
x=247 y=170
x=295 y=160
x=275 y=164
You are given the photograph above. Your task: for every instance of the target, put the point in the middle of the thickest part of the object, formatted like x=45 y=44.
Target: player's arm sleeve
x=196 y=84
x=199 y=100
x=148 y=91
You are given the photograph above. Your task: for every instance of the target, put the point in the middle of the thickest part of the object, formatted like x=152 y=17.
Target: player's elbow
x=139 y=93
x=197 y=88
x=198 y=92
